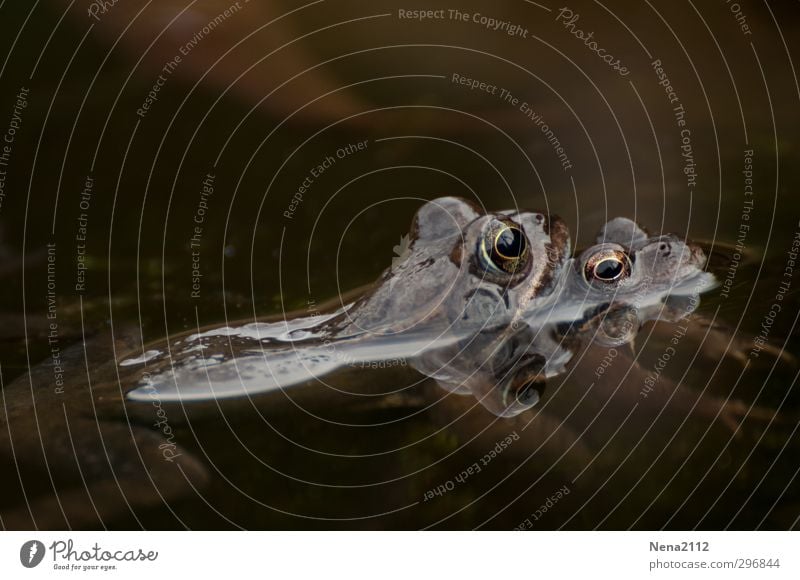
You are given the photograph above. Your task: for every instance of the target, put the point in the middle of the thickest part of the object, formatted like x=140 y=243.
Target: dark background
x=277 y=87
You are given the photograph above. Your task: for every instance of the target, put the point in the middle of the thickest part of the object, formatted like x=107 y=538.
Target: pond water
x=199 y=163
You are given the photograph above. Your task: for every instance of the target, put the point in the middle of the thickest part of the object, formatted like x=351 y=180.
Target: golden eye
x=608 y=266
x=505 y=247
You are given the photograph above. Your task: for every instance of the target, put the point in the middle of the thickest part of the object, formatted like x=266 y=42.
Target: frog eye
x=529 y=393
x=525 y=393
x=608 y=266
x=504 y=247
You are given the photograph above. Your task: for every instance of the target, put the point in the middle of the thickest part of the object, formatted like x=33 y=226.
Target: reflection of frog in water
x=487 y=304
x=484 y=303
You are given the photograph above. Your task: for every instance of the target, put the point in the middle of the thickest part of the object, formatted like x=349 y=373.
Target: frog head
x=465 y=270
x=458 y=295
x=627 y=278
x=604 y=295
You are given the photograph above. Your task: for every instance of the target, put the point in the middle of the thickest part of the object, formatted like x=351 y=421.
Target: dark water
x=259 y=102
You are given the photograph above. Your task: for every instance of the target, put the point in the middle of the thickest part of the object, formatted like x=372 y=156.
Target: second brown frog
x=488 y=304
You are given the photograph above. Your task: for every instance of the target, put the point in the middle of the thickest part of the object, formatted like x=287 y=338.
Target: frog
x=467 y=273
x=488 y=304
x=491 y=317
x=602 y=296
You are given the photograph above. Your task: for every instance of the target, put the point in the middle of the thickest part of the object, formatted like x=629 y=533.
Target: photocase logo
x=401 y=250
x=31 y=553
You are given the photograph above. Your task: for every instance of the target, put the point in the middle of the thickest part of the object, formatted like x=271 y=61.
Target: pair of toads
x=488 y=304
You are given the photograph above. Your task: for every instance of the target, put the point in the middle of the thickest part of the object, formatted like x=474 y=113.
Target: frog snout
x=685 y=253
x=697 y=256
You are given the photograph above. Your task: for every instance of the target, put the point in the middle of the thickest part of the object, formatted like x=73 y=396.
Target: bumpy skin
x=440 y=308
x=441 y=284
x=497 y=337
x=506 y=370
x=452 y=315
x=665 y=281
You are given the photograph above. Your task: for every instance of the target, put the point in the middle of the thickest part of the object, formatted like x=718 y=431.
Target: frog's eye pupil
x=609 y=269
x=504 y=249
x=510 y=243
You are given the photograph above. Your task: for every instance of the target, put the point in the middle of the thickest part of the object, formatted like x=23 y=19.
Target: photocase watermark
x=81 y=234
x=7 y=145
x=568 y=18
x=740 y=17
x=473 y=469
x=663 y=360
x=507 y=97
x=100 y=8
x=551 y=501
x=792 y=252
x=328 y=345
x=183 y=51
x=454 y=14
x=401 y=251
x=52 y=321
x=606 y=362
x=379 y=364
x=198 y=223
x=744 y=225
x=31 y=553
x=318 y=170
x=652 y=378
x=168 y=448
x=66 y=556
x=678 y=111
x=626 y=328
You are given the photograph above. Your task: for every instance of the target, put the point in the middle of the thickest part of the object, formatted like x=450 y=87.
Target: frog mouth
x=695 y=284
x=698 y=256
x=692 y=277
x=695 y=256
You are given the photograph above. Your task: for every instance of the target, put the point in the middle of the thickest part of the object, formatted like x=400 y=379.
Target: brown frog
x=488 y=304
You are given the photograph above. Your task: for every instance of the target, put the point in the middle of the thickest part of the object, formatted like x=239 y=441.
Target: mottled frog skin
x=490 y=304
